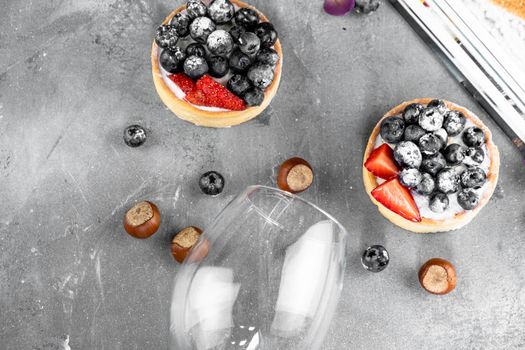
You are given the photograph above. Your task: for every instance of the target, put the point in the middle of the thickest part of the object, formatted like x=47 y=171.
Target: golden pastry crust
x=431 y=225
x=188 y=112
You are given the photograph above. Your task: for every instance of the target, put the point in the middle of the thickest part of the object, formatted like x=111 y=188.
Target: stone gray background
x=74 y=74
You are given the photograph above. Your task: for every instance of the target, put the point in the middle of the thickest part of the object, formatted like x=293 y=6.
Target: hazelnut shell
x=143 y=227
x=295 y=175
x=184 y=242
x=437 y=276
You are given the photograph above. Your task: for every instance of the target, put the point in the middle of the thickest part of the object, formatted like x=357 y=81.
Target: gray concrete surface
x=73 y=75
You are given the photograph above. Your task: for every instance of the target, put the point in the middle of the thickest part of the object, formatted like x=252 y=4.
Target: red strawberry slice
x=208 y=92
x=184 y=82
x=397 y=198
x=381 y=162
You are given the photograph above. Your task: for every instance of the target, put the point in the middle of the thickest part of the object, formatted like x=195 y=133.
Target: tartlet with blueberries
x=430 y=165
x=218 y=63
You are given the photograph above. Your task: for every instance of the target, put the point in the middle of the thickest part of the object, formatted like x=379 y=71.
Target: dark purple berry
x=239 y=62
x=201 y=28
x=473 y=137
x=430 y=144
x=221 y=11
x=375 y=258
x=195 y=67
x=248 y=18
x=427 y=185
x=166 y=37
x=261 y=75
x=433 y=164
x=474 y=156
x=134 y=135
x=413 y=133
x=366 y=6
x=431 y=119
x=195 y=49
x=181 y=22
x=408 y=155
x=438 y=202
x=196 y=8
x=220 y=43
x=468 y=199
x=172 y=61
x=455 y=153
x=411 y=113
x=447 y=181
x=439 y=105
x=410 y=177
x=473 y=177
x=211 y=183
x=249 y=43
x=392 y=129
x=454 y=122
x=218 y=66
x=236 y=32
x=268 y=56
x=253 y=97
x=238 y=84
x=266 y=33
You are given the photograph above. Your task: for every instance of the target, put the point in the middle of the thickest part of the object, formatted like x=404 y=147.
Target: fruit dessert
x=216 y=64
x=430 y=165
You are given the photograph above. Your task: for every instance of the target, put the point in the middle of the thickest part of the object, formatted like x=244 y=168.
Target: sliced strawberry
x=381 y=162
x=397 y=198
x=208 y=92
x=184 y=82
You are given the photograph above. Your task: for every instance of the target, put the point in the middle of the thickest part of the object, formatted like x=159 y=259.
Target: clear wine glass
x=270 y=280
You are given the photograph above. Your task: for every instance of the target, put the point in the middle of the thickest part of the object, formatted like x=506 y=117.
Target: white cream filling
x=454 y=208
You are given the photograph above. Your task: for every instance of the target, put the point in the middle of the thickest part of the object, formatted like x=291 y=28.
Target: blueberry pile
x=224 y=43
x=431 y=165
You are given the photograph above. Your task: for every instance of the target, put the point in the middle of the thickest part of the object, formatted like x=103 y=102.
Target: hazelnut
x=184 y=241
x=437 y=276
x=295 y=175
x=142 y=220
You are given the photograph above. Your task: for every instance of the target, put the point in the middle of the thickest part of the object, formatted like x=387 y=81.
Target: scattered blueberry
x=410 y=177
x=468 y=199
x=392 y=129
x=238 y=84
x=195 y=49
x=166 y=37
x=473 y=177
x=218 y=66
x=134 y=135
x=181 y=22
x=172 y=61
x=454 y=122
x=221 y=11
x=220 y=43
x=375 y=258
x=430 y=144
x=261 y=75
x=473 y=137
x=366 y=6
x=455 y=153
x=438 y=202
x=408 y=155
x=447 y=181
x=413 y=132
x=201 y=28
x=266 y=32
x=196 y=8
x=249 y=43
x=411 y=113
x=474 y=156
x=431 y=119
x=268 y=56
x=443 y=135
x=239 y=62
x=248 y=18
x=434 y=164
x=427 y=185
x=195 y=67
x=236 y=32
x=211 y=183
x=253 y=97
x=439 y=105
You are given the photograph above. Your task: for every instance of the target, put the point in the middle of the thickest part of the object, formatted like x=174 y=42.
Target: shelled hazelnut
x=437 y=276
x=184 y=241
x=142 y=220
x=295 y=175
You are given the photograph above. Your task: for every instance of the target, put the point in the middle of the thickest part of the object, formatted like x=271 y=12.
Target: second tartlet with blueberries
x=217 y=63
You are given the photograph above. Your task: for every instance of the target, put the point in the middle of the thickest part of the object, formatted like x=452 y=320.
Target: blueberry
x=253 y=97
x=438 y=202
x=134 y=135
x=454 y=122
x=410 y=177
x=433 y=164
x=447 y=181
x=249 y=43
x=473 y=177
x=221 y=11
x=366 y=6
x=218 y=66
x=238 y=84
x=239 y=62
x=442 y=134
x=181 y=22
x=474 y=156
x=455 y=153
x=431 y=119
x=195 y=49
x=220 y=43
x=266 y=32
x=468 y=199
x=268 y=56
x=195 y=67
x=439 y=105
x=430 y=144
x=166 y=37
x=201 y=28
x=261 y=75
x=172 y=61
x=211 y=183
x=427 y=184
x=411 y=113
x=375 y=258
x=196 y=8
x=413 y=132
x=392 y=129
x=236 y=32
x=473 y=137
x=248 y=18
x=407 y=154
